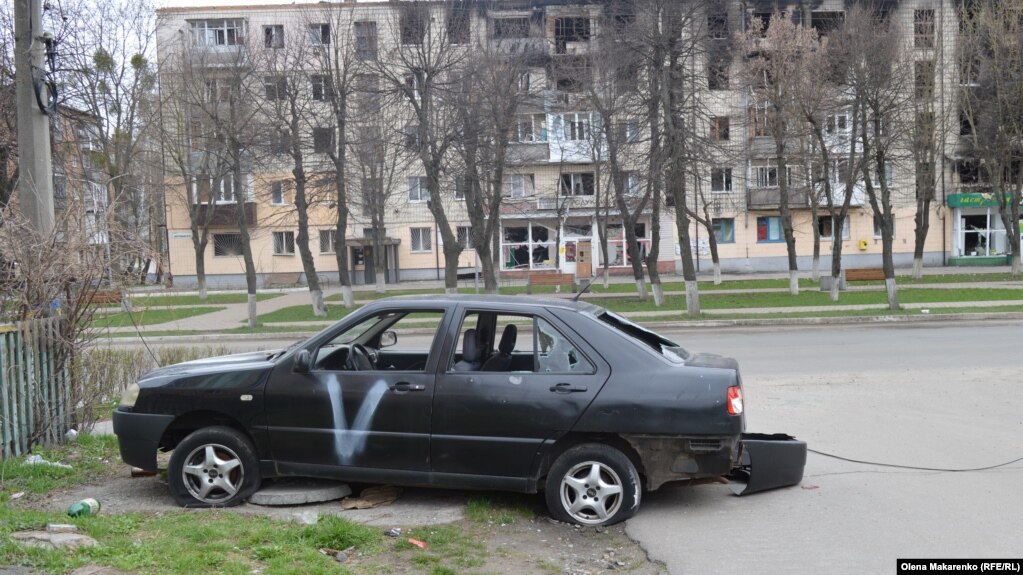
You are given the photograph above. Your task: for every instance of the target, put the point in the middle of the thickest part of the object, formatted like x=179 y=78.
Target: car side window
x=556 y=353
x=394 y=340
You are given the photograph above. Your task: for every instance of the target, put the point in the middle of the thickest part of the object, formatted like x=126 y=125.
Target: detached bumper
x=767 y=462
x=138 y=435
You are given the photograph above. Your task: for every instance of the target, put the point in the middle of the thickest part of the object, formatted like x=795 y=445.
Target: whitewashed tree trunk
x=918 y=268
x=316 y=298
x=793 y=282
x=380 y=286
x=816 y=268
x=203 y=294
x=252 y=309
x=451 y=290
x=717 y=273
x=834 y=287
x=1014 y=269
x=658 y=290
x=346 y=296
x=692 y=298
x=606 y=278
x=893 y=294
x=126 y=303
x=641 y=289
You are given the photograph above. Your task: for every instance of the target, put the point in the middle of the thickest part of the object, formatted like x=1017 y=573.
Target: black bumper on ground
x=138 y=435
x=767 y=462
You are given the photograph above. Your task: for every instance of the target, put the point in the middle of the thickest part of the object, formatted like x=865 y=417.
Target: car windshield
x=669 y=349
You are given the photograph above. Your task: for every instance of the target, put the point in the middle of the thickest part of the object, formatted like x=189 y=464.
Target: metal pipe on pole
x=35 y=166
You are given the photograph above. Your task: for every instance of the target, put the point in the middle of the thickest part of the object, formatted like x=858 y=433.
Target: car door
x=340 y=415
x=496 y=422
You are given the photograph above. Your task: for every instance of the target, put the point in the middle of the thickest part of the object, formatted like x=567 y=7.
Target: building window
x=617 y=248
x=719 y=128
x=826 y=22
x=627 y=131
x=422 y=239
x=758 y=120
x=577 y=125
x=284 y=243
x=923 y=78
x=367 y=94
x=464 y=235
x=923 y=28
x=275 y=87
x=273 y=36
x=277 y=193
x=323 y=140
x=323 y=88
x=319 y=34
x=968 y=172
x=219 y=32
x=631 y=183
x=767 y=176
x=889 y=175
x=220 y=192
x=531 y=128
x=769 y=229
x=372 y=196
x=366 y=40
x=414 y=20
x=528 y=246
x=574 y=29
x=826 y=228
x=724 y=230
x=418 y=190
x=327 y=241
x=878 y=220
x=717 y=26
x=458 y=25
x=227 y=244
x=519 y=185
x=577 y=184
x=280 y=142
x=721 y=180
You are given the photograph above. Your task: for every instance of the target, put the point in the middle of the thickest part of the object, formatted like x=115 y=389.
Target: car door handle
x=568 y=388
x=404 y=386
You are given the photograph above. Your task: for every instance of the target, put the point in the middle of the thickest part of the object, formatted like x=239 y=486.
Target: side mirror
x=388 y=338
x=303 y=361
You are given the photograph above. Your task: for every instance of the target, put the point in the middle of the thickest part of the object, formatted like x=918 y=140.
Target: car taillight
x=734 y=400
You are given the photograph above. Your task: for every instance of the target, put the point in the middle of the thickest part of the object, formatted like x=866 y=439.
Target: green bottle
x=84 y=508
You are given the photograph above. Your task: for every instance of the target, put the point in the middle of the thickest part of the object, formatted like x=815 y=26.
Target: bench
x=105 y=297
x=864 y=274
x=550 y=279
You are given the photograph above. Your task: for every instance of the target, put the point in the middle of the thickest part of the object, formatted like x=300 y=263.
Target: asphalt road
x=928 y=395
x=940 y=395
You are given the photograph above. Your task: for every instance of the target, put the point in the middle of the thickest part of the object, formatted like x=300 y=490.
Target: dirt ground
x=533 y=543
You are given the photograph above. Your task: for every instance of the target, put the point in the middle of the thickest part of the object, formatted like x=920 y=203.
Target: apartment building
x=556 y=165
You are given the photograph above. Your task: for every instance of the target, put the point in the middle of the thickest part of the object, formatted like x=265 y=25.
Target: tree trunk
x=308 y=264
x=717 y=273
x=692 y=298
x=918 y=267
x=200 y=273
x=793 y=282
x=658 y=290
x=922 y=221
x=451 y=253
x=346 y=296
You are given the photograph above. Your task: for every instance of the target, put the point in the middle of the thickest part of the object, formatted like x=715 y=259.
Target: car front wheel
x=592 y=484
x=213 y=467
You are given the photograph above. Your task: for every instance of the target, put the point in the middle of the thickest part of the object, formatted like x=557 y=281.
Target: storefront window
x=617 y=249
x=528 y=246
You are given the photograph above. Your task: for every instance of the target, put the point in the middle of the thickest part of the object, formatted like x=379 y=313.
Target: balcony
x=528 y=153
x=770 y=199
x=225 y=214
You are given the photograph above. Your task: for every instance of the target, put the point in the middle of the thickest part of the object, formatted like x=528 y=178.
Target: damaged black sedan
x=508 y=393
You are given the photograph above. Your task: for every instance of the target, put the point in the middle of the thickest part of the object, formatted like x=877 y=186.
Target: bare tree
x=418 y=72
x=773 y=49
x=992 y=107
x=290 y=104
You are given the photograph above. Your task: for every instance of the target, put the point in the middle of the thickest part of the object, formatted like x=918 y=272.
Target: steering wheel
x=359 y=359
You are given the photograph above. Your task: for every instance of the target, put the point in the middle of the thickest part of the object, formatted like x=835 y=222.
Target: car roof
x=521 y=301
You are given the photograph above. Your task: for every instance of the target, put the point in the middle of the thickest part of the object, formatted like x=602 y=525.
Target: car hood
x=253 y=360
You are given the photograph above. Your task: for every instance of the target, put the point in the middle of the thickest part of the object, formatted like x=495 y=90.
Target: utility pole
x=35 y=166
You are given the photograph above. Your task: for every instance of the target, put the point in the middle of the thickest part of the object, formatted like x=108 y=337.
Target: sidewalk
x=235 y=315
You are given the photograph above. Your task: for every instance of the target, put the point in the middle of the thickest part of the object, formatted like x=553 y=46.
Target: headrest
x=507 y=344
x=470 y=346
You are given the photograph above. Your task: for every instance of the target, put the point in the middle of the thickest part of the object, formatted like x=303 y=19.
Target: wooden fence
x=35 y=386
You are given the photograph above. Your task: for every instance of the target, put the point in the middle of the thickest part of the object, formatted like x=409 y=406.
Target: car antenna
x=585 y=289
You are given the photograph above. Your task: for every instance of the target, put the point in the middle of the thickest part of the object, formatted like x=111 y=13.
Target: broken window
x=923 y=28
x=414 y=20
x=510 y=28
x=575 y=29
x=826 y=22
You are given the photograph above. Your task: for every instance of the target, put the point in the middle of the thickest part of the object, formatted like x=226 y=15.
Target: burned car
x=507 y=393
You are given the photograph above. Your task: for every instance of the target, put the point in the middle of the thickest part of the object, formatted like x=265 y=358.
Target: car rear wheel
x=213 y=467
x=592 y=484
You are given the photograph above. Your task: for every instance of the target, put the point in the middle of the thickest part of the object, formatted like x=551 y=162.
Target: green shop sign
x=976 y=200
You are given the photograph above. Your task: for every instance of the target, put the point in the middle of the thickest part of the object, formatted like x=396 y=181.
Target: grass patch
x=499 y=508
x=449 y=549
x=149 y=317
x=89 y=457
x=298 y=313
x=192 y=300
x=192 y=542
